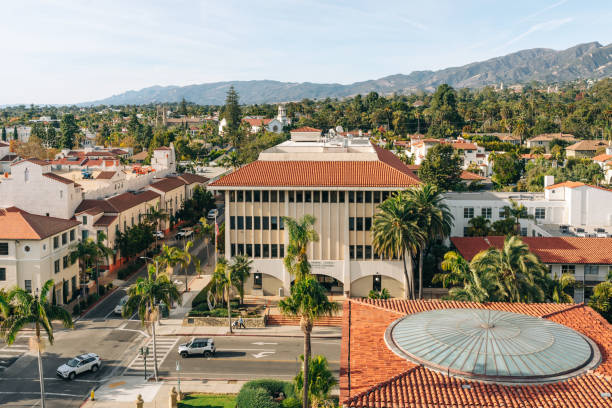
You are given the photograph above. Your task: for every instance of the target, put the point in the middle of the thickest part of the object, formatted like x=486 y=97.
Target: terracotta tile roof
x=56 y=177
x=558 y=250
x=99 y=204
x=371 y=375
x=19 y=224
x=550 y=136
x=167 y=184
x=92 y=211
x=464 y=146
x=105 y=221
x=257 y=122
x=587 y=145
x=125 y=201
x=32 y=160
x=190 y=178
x=4 y=144
x=100 y=163
x=575 y=184
x=163 y=148
x=68 y=162
x=9 y=158
x=602 y=157
x=468 y=175
x=140 y=156
x=306 y=129
x=119 y=152
x=529 y=156
x=388 y=171
x=105 y=175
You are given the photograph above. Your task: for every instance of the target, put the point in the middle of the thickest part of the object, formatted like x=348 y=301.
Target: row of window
x=360 y=223
x=66 y=262
x=486 y=212
x=259 y=250
x=64 y=237
x=364 y=252
x=238 y=222
x=316 y=196
x=588 y=269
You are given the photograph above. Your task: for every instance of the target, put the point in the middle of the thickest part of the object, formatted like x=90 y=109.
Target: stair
x=280 y=320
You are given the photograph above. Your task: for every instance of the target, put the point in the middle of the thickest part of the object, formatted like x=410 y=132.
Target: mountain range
x=590 y=60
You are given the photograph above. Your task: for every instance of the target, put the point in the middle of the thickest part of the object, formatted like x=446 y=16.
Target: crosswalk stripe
x=164 y=346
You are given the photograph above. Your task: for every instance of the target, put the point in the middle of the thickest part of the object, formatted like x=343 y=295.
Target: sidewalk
x=123 y=391
x=173 y=327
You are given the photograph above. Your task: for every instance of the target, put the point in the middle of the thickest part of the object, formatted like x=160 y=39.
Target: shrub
x=102 y=290
x=76 y=310
x=291 y=402
x=109 y=286
x=261 y=394
x=82 y=304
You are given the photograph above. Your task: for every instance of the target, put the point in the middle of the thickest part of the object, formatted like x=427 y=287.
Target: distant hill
x=591 y=60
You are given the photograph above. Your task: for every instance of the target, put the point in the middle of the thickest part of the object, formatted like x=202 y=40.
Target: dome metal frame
x=454 y=334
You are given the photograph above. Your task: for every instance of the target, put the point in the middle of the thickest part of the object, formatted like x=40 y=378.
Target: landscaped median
x=202 y=314
x=208 y=401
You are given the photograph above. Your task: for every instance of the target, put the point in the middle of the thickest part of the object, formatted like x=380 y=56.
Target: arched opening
x=262 y=284
x=361 y=287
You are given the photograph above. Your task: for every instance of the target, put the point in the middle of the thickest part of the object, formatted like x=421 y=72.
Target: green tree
x=52 y=137
x=145 y=297
x=232 y=114
x=396 y=234
x=69 y=131
x=15 y=134
x=506 y=169
x=558 y=285
x=34 y=310
x=308 y=302
x=156 y=216
x=446 y=120
x=320 y=378
x=183 y=107
x=85 y=252
x=301 y=233
x=479 y=227
x=3 y=134
x=222 y=280
x=241 y=269
x=101 y=251
x=441 y=167
x=601 y=300
x=433 y=219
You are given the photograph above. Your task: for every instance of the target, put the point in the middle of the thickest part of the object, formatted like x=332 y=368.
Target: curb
x=249 y=335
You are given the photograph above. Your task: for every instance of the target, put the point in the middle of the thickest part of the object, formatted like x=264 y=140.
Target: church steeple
x=282 y=114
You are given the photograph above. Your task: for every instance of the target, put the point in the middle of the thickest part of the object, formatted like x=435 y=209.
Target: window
x=325 y=196
x=281 y=223
x=568 y=269
x=468 y=212
x=240 y=249
x=256 y=196
x=257 y=281
x=368 y=197
x=56 y=242
x=240 y=222
x=56 y=266
x=351 y=195
x=291 y=196
x=64 y=238
x=377 y=197
x=376 y=283
x=265 y=196
x=524 y=231
x=65 y=261
x=249 y=250
x=274 y=223
x=3 y=248
x=316 y=197
x=368 y=223
x=385 y=195
x=28 y=285
x=351 y=223
x=591 y=269
x=73 y=283
x=333 y=196
x=274 y=250
x=486 y=212
x=84 y=235
x=265 y=223
x=266 y=250
x=233 y=249
x=240 y=196
x=232 y=222
x=341 y=196
x=84 y=219
x=273 y=196
x=282 y=250
x=299 y=196
x=359 y=223
x=248 y=196
x=256 y=223
x=307 y=196
x=352 y=251
x=359 y=251
x=540 y=213
x=281 y=196
x=257 y=250
x=359 y=196
x=2 y=274
x=232 y=196
x=502 y=213
x=249 y=222
x=72 y=234
x=368 y=252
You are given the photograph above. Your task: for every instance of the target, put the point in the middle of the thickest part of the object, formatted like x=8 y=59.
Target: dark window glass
x=299 y=196
x=368 y=196
x=265 y=223
x=64 y=238
x=291 y=196
x=3 y=248
x=240 y=222
x=56 y=242
x=359 y=252
x=73 y=283
x=249 y=250
x=56 y=266
x=359 y=223
x=232 y=196
x=65 y=262
x=257 y=250
x=240 y=249
x=274 y=250
x=385 y=195
x=368 y=252
x=274 y=223
x=324 y=196
x=307 y=196
x=265 y=196
x=359 y=196
x=266 y=250
x=233 y=247
x=352 y=251
x=273 y=196
x=376 y=283
x=28 y=285
x=282 y=250
x=240 y=196
x=256 y=223
x=351 y=223
x=248 y=196
x=377 y=196
x=281 y=196
x=316 y=197
x=71 y=235
x=257 y=281
x=2 y=274
x=249 y=222
x=281 y=223
x=340 y=196
x=256 y=196
x=368 y=223
x=233 y=222
x=351 y=196
x=333 y=196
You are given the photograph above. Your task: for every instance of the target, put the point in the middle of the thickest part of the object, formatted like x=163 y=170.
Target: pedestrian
x=241 y=323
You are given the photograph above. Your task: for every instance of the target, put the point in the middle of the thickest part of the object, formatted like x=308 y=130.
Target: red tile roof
x=602 y=157
x=552 y=136
x=388 y=171
x=468 y=175
x=575 y=184
x=87 y=205
x=190 y=178
x=257 y=122
x=105 y=221
x=306 y=129
x=56 y=177
x=163 y=148
x=32 y=160
x=19 y=224
x=558 y=250
x=464 y=146
x=587 y=145
x=105 y=175
x=125 y=201
x=371 y=375
x=167 y=184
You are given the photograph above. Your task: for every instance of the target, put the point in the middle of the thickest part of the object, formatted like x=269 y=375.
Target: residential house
x=544 y=140
x=585 y=148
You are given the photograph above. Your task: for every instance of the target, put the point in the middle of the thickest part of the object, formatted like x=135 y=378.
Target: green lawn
x=208 y=401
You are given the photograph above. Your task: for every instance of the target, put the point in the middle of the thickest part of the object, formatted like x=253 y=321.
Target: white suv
x=202 y=346
x=78 y=365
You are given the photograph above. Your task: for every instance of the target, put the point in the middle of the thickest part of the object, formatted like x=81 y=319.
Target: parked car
x=185 y=233
x=79 y=365
x=213 y=214
x=198 y=346
x=119 y=308
x=159 y=234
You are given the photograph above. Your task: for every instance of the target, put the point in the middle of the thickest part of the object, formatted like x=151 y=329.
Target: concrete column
x=346 y=256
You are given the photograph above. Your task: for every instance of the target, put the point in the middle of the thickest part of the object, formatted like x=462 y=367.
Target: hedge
x=260 y=394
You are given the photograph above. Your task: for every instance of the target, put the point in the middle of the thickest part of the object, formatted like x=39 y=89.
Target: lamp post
x=144 y=352
x=178 y=370
x=154 y=260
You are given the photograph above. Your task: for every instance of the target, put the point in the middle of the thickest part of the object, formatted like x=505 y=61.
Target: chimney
x=549 y=181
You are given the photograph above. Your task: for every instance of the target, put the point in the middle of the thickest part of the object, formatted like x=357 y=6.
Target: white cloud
x=544 y=26
x=545 y=9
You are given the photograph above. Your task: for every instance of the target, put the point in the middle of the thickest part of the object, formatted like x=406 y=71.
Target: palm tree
x=308 y=302
x=5 y=307
x=185 y=260
x=518 y=212
x=558 y=284
x=232 y=159
x=301 y=233
x=395 y=234
x=169 y=257
x=155 y=216
x=85 y=252
x=520 y=272
x=479 y=227
x=434 y=219
x=100 y=251
x=145 y=296
x=321 y=380
x=241 y=269
x=37 y=310
x=223 y=281
x=207 y=231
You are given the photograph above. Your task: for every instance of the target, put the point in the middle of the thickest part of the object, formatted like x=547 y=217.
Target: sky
x=70 y=51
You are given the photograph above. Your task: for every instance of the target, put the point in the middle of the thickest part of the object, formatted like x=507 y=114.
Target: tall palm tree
x=518 y=212
x=241 y=269
x=396 y=234
x=208 y=232
x=169 y=257
x=558 y=284
x=83 y=251
x=434 y=219
x=479 y=227
x=520 y=271
x=145 y=296
x=222 y=281
x=321 y=381
x=185 y=260
x=301 y=233
x=35 y=309
x=156 y=216
x=308 y=302
x=100 y=251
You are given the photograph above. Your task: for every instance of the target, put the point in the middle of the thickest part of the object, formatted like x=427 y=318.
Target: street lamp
x=178 y=370
x=144 y=352
x=154 y=260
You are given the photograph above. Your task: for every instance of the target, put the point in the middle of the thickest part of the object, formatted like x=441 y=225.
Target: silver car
x=119 y=308
x=79 y=365
x=198 y=346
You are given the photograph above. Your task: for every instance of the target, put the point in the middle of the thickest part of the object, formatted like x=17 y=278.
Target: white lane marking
x=265 y=350
x=164 y=347
x=38 y=393
x=49 y=379
x=263 y=354
x=261 y=343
